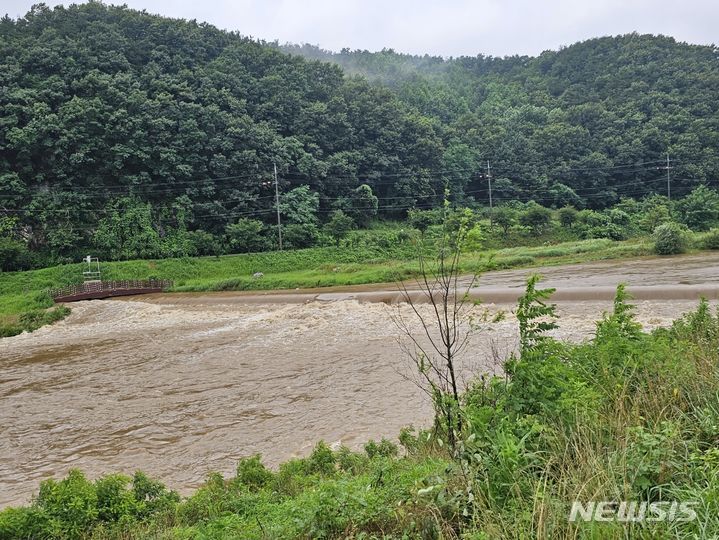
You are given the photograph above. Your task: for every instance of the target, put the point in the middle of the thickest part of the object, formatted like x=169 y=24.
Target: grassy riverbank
x=24 y=303
x=627 y=416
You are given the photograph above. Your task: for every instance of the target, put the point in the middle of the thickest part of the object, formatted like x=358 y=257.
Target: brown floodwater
x=181 y=385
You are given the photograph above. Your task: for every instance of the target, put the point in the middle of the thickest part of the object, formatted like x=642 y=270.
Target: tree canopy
x=116 y=123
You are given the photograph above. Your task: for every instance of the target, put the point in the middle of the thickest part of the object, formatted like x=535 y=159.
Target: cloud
x=448 y=28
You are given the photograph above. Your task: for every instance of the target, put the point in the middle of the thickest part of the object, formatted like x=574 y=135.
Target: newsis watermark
x=633 y=511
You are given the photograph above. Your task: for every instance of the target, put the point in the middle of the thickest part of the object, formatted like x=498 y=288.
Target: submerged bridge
x=107 y=289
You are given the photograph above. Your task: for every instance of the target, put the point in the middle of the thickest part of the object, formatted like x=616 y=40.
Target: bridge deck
x=107 y=289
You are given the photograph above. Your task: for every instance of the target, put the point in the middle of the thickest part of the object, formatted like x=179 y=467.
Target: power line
x=364 y=178
x=265 y=212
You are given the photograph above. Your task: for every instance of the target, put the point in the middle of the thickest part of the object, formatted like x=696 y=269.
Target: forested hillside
x=135 y=135
x=598 y=117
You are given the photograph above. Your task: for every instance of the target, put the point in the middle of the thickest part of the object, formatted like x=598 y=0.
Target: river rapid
x=181 y=385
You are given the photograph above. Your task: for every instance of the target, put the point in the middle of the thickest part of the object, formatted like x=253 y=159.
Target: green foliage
x=29 y=321
x=535 y=316
x=14 y=255
x=73 y=507
x=252 y=473
x=128 y=233
x=385 y=448
x=670 y=239
x=613 y=224
x=363 y=205
x=567 y=216
x=699 y=210
x=711 y=240
x=339 y=225
x=620 y=324
x=423 y=219
x=474 y=239
x=105 y=104
x=536 y=217
x=654 y=211
x=247 y=235
x=322 y=460
x=300 y=205
x=505 y=217
x=204 y=243
x=299 y=236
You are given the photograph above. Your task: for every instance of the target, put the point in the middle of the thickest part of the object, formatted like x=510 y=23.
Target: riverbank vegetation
x=625 y=416
x=511 y=236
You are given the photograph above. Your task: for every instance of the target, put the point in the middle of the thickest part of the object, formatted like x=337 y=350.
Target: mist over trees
x=119 y=124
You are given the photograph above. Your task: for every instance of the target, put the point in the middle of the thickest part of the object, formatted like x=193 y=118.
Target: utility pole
x=277 y=204
x=489 y=183
x=669 y=186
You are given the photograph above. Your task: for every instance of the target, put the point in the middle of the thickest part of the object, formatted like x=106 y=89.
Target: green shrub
x=298 y=236
x=711 y=240
x=349 y=461
x=205 y=243
x=322 y=460
x=14 y=255
x=247 y=235
x=505 y=217
x=252 y=473
x=71 y=504
x=536 y=217
x=567 y=216
x=385 y=448
x=423 y=219
x=339 y=225
x=670 y=239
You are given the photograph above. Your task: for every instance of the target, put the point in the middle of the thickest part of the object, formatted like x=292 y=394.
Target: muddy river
x=180 y=385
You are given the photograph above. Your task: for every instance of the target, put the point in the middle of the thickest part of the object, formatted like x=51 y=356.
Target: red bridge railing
x=98 y=289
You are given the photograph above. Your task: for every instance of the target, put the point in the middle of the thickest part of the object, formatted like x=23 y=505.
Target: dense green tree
x=363 y=205
x=505 y=217
x=339 y=225
x=247 y=235
x=299 y=206
x=567 y=216
x=700 y=209
x=296 y=236
x=536 y=217
x=127 y=231
x=423 y=219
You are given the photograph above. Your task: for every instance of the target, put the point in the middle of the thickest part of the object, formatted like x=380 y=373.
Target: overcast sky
x=448 y=28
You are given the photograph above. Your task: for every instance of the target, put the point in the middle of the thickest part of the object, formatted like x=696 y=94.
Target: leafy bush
x=322 y=460
x=14 y=255
x=385 y=448
x=423 y=219
x=670 y=239
x=73 y=507
x=567 y=216
x=699 y=210
x=246 y=236
x=536 y=217
x=298 y=236
x=711 y=240
x=505 y=217
x=252 y=473
x=614 y=224
x=339 y=225
x=205 y=243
